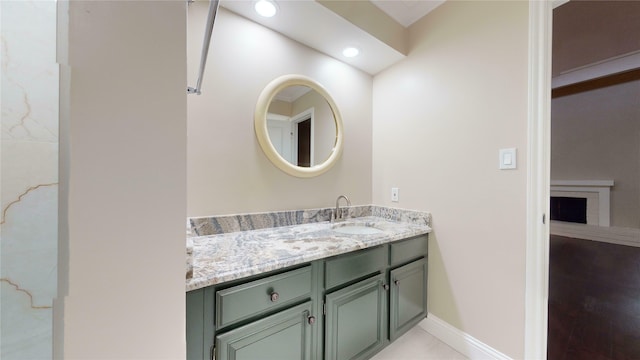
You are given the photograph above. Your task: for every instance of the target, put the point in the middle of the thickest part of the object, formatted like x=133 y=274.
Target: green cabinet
x=368 y=298
x=195 y=325
x=355 y=320
x=200 y=328
x=283 y=336
x=408 y=297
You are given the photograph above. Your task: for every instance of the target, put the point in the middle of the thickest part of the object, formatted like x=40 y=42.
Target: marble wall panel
x=28 y=178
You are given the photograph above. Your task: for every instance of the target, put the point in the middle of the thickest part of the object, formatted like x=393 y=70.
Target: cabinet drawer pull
x=274 y=296
x=311 y=320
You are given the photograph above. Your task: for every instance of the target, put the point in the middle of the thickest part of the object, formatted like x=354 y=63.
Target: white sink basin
x=356 y=230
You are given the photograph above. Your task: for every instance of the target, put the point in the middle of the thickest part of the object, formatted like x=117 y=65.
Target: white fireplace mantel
x=597 y=193
x=588 y=183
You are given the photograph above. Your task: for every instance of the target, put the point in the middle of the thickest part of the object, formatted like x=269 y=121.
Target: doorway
x=303 y=142
x=594 y=283
x=302 y=125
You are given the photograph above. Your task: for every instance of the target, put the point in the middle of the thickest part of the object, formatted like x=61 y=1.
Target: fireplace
x=569 y=209
x=569 y=198
x=581 y=201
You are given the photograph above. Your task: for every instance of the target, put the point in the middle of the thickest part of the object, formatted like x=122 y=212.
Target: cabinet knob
x=311 y=320
x=274 y=296
x=397 y=282
x=385 y=286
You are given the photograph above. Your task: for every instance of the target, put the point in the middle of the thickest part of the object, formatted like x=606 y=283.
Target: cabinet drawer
x=255 y=297
x=354 y=266
x=405 y=250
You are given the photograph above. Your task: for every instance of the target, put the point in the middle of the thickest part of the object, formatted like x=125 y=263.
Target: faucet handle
x=338 y=214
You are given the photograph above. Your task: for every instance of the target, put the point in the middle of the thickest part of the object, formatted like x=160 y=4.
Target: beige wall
x=596 y=136
x=123 y=182
x=439 y=119
x=227 y=171
x=585 y=32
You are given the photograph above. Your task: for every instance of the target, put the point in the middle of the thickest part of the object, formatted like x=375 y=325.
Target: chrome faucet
x=338 y=214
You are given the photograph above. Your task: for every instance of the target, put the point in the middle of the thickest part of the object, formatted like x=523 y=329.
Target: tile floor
x=418 y=344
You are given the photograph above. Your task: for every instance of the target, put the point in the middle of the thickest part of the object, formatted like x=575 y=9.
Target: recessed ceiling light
x=266 y=8
x=350 y=52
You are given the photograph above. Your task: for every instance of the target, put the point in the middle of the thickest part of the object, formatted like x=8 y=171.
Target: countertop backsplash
x=213 y=225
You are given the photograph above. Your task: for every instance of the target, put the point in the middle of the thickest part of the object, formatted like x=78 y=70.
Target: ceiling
x=301 y=20
x=406 y=12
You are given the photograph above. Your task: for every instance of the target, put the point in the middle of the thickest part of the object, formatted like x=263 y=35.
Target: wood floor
x=594 y=300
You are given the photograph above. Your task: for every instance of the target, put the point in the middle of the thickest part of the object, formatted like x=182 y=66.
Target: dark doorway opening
x=304 y=143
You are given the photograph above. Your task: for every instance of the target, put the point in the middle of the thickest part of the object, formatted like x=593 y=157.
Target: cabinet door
x=282 y=336
x=355 y=320
x=408 y=304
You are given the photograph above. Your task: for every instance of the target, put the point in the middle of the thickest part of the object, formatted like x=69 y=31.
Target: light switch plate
x=394 y=194
x=507 y=159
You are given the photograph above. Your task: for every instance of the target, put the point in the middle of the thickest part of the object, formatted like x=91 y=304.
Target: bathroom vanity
x=309 y=291
x=294 y=285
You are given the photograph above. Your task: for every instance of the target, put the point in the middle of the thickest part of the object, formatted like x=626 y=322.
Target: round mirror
x=298 y=126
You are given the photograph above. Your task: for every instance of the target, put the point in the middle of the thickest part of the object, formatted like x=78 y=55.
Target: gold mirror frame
x=260 y=125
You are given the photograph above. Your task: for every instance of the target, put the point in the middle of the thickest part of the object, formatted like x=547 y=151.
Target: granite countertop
x=235 y=255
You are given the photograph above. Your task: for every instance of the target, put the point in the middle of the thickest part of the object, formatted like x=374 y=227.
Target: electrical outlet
x=394 y=194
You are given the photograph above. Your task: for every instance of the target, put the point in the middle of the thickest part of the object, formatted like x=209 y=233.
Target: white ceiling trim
x=614 y=65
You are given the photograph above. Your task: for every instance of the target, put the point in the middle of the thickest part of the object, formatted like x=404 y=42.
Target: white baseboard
x=462 y=342
x=612 y=235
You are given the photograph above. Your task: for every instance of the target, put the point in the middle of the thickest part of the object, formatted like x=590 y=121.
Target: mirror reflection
x=301 y=126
